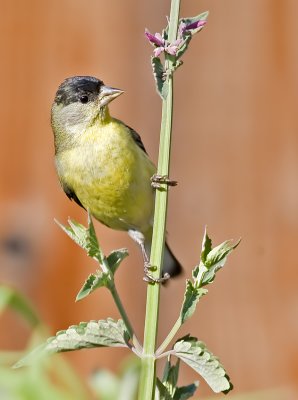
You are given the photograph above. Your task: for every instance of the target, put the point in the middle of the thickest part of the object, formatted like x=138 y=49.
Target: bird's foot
x=158 y=180
x=150 y=278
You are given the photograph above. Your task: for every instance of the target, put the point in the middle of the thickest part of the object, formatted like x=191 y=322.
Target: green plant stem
x=124 y=316
x=112 y=288
x=148 y=377
x=169 y=337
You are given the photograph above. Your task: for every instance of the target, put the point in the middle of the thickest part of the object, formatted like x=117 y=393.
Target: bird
x=103 y=166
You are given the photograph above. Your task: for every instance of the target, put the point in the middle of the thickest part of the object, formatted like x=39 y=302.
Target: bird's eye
x=84 y=99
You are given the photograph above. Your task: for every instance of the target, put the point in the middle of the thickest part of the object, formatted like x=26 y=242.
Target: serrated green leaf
x=186 y=392
x=102 y=333
x=195 y=354
x=162 y=391
x=200 y=269
x=75 y=231
x=84 y=237
x=187 y=35
x=93 y=282
x=170 y=376
x=115 y=258
x=191 y=297
x=209 y=275
x=211 y=260
x=206 y=246
x=92 y=245
x=216 y=259
x=183 y=47
x=198 y=273
x=220 y=252
x=167 y=389
x=159 y=77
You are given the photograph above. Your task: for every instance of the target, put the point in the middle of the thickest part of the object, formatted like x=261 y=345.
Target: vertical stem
x=124 y=316
x=119 y=305
x=148 y=378
x=121 y=309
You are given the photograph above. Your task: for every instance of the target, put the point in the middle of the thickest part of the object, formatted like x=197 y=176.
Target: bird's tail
x=170 y=263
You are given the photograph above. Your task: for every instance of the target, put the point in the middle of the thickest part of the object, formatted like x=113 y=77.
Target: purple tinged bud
x=158 y=50
x=194 y=25
x=162 y=45
x=159 y=38
x=172 y=48
x=156 y=39
x=182 y=27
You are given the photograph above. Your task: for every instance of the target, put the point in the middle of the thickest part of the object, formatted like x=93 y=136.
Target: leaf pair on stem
x=111 y=333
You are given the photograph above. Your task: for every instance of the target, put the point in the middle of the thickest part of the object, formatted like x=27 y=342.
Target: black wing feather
x=137 y=138
x=71 y=194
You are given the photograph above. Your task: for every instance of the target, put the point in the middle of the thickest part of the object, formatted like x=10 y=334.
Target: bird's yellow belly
x=111 y=178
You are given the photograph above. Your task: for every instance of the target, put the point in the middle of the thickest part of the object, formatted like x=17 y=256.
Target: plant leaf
x=11 y=298
x=93 y=282
x=216 y=259
x=92 y=245
x=84 y=237
x=185 y=392
x=195 y=354
x=183 y=47
x=159 y=77
x=170 y=376
x=188 y=34
x=206 y=246
x=191 y=297
x=162 y=391
x=168 y=389
x=75 y=231
x=211 y=260
x=115 y=258
x=102 y=333
x=220 y=252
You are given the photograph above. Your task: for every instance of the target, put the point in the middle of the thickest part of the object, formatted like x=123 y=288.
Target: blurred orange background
x=234 y=153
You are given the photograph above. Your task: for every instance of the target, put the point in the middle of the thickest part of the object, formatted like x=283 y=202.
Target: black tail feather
x=171 y=265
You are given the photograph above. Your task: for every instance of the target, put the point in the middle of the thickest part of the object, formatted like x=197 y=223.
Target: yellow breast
x=110 y=175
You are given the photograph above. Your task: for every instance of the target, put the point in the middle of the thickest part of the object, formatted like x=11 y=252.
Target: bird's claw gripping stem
x=158 y=180
x=150 y=278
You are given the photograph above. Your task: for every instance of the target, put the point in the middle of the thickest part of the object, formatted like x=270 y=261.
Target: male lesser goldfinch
x=102 y=163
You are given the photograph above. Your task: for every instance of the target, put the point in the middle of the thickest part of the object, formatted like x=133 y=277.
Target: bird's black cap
x=73 y=88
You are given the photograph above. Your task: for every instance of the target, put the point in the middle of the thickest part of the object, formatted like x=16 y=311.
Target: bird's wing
x=71 y=194
x=137 y=138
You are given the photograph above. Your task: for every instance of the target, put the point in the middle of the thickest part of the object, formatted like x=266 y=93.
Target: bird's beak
x=107 y=94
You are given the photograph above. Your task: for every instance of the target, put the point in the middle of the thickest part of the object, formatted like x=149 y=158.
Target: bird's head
x=79 y=101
